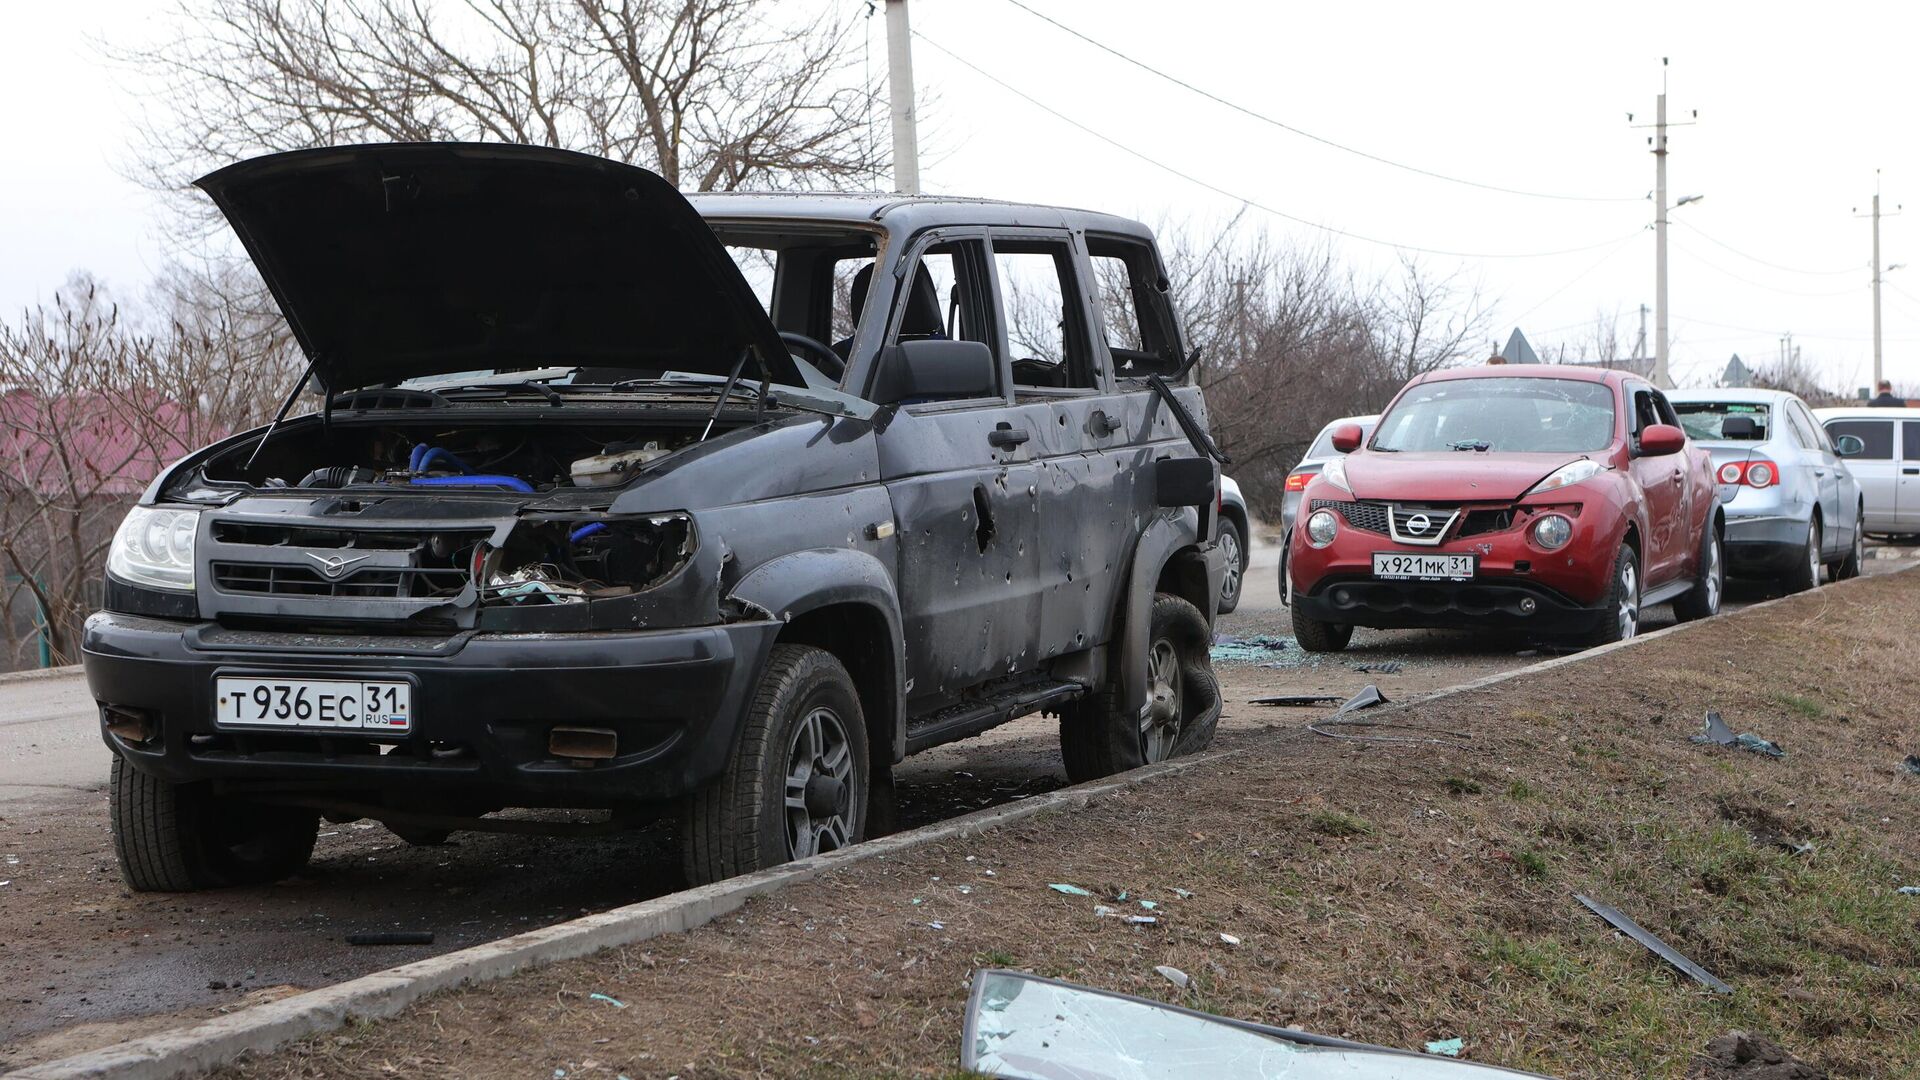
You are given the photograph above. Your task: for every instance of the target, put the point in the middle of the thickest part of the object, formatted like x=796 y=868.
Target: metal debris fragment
x=1069 y=890
x=1659 y=948
x=1174 y=975
x=615 y=1002
x=1445 y=1047
x=1719 y=734
x=1296 y=700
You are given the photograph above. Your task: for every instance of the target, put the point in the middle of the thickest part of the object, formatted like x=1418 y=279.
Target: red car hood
x=1449 y=476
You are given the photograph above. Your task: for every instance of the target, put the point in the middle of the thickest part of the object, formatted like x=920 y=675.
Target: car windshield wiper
x=553 y=396
x=1471 y=444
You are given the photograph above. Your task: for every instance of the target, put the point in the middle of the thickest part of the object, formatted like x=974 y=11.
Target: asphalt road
x=83 y=962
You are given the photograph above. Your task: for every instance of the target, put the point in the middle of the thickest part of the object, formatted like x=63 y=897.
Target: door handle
x=1006 y=438
x=1679 y=477
x=1819 y=472
x=1101 y=425
x=1910 y=472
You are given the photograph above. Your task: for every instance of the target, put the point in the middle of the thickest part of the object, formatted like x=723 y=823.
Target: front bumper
x=1516 y=583
x=1406 y=605
x=484 y=707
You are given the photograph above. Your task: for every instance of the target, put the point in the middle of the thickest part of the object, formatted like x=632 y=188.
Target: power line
x=1321 y=139
x=1763 y=262
x=1775 y=332
x=1718 y=269
x=1575 y=280
x=1218 y=190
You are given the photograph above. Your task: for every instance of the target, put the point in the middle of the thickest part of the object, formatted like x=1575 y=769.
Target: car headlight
x=154 y=548
x=1335 y=472
x=1552 y=532
x=1322 y=527
x=1573 y=472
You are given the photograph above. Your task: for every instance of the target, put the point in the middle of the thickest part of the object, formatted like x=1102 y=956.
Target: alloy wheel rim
x=1813 y=554
x=1629 y=601
x=1230 y=582
x=1713 y=575
x=820 y=794
x=1160 y=727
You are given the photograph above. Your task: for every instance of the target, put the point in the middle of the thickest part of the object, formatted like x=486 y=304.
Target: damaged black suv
x=706 y=508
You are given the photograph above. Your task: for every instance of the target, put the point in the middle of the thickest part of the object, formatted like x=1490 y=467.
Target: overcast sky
x=1798 y=106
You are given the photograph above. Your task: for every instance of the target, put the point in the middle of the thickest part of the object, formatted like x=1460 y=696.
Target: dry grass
x=1392 y=894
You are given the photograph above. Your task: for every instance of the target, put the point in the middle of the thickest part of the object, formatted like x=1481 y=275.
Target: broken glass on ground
x=1247 y=650
x=1717 y=733
x=1026 y=1027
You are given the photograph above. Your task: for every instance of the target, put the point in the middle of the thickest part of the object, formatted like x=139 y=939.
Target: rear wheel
x=172 y=837
x=1317 y=636
x=1622 y=602
x=1234 y=546
x=1849 y=567
x=1805 y=573
x=1098 y=738
x=797 y=783
x=1703 y=600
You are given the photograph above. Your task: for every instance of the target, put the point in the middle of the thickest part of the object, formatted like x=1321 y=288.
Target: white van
x=1888 y=468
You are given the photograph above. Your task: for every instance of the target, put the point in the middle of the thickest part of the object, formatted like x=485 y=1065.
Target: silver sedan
x=1792 y=505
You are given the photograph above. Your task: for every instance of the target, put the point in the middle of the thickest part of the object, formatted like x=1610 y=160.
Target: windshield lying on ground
x=807 y=277
x=1703 y=420
x=1515 y=415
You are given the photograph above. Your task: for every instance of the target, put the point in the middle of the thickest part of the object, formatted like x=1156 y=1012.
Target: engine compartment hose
x=585 y=531
x=423 y=456
x=512 y=483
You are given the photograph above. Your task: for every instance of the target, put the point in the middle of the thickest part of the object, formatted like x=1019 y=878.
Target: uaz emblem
x=335 y=565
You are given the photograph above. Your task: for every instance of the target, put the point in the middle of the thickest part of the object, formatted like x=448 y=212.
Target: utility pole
x=1661 y=376
x=1660 y=236
x=1878 y=272
x=906 y=142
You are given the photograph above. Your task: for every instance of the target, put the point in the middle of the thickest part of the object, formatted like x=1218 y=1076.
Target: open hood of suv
x=1449 y=476
x=396 y=261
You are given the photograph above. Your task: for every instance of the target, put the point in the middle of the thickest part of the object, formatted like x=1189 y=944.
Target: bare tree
x=712 y=94
x=90 y=411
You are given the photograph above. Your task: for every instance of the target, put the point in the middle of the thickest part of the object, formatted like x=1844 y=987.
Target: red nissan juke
x=1555 y=499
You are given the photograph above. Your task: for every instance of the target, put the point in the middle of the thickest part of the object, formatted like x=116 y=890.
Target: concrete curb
x=264 y=1027
x=38 y=673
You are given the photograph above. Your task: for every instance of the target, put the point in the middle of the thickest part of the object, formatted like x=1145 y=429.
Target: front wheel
x=1805 y=573
x=172 y=837
x=1317 y=636
x=1098 y=738
x=1621 y=607
x=797 y=782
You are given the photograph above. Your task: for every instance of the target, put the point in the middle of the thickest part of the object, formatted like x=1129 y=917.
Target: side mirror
x=936 y=370
x=1183 y=481
x=1659 y=440
x=1347 y=438
x=1849 y=445
x=1739 y=427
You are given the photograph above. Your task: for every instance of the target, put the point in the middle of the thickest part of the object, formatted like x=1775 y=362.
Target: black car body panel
x=968 y=561
x=401 y=260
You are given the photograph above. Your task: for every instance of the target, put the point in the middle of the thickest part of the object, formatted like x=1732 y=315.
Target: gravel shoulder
x=1394 y=893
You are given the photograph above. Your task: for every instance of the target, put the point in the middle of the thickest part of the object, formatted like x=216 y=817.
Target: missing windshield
x=1512 y=415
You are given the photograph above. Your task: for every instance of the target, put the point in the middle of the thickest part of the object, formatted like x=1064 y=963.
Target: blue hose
x=435 y=453
x=585 y=531
x=512 y=483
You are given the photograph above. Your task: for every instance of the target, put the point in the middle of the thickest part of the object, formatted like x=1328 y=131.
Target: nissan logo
x=1418 y=524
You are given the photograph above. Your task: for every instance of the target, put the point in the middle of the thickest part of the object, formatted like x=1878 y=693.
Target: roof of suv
x=905 y=213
